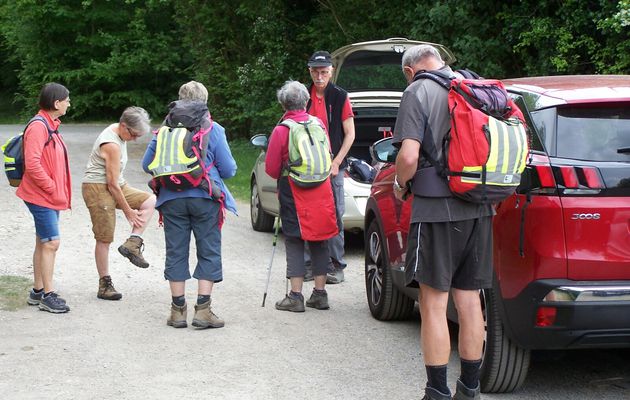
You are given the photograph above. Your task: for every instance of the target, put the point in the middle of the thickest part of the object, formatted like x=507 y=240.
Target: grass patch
x=13 y=292
x=245 y=155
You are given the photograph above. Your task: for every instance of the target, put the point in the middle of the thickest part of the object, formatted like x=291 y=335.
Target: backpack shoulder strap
x=288 y=123
x=469 y=74
x=437 y=77
x=42 y=120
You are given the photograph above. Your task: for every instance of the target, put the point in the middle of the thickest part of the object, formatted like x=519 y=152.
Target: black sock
x=203 y=298
x=470 y=373
x=38 y=290
x=436 y=375
x=179 y=301
x=319 y=291
x=296 y=295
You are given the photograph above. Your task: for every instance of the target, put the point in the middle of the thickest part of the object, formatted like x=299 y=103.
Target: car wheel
x=504 y=366
x=386 y=301
x=261 y=221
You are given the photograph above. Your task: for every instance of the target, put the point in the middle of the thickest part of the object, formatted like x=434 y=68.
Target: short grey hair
x=137 y=119
x=415 y=54
x=193 y=91
x=293 y=95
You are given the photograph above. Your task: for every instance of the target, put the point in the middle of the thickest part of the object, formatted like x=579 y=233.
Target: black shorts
x=456 y=254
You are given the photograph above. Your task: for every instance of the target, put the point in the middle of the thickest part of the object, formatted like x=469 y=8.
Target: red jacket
x=46 y=181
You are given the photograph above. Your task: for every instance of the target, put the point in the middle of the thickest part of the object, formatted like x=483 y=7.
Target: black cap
x=320 y=59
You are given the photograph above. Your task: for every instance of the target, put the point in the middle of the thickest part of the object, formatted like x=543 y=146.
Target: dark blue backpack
x=13 y=151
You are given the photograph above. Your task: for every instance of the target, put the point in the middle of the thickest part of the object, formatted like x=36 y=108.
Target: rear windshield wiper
x=623 y=150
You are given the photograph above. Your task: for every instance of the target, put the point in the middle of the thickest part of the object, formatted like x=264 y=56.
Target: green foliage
x=115 y=53
x=109 y=54
x=245 y=155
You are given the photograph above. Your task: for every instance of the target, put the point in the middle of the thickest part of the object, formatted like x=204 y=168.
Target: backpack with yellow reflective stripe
x=309 y=152
x=485 y=151
x=181 y=148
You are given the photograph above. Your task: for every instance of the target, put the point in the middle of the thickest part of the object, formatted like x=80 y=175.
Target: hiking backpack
x=181 y=148
x=485 y=151
x=309 y=152
x=13 y=150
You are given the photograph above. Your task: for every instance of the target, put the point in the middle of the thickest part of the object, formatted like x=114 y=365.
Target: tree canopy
x=112 y=54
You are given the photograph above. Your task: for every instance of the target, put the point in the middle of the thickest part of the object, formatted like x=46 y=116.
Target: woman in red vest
x=307 y=214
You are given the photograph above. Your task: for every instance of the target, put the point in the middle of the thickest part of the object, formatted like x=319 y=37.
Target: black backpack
x=13 y=150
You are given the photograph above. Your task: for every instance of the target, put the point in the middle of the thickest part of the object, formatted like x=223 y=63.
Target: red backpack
x=485 y=150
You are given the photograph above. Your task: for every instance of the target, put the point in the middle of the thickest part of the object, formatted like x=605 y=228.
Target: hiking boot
x=178 y=316
x=434 y=394
x=464 y=393
x=318 y=301
x=334 y=277
x=292 y=304
x=34 y=298
x=106 y=290
x=53 y=303
x=205 y=318
x=132 y=249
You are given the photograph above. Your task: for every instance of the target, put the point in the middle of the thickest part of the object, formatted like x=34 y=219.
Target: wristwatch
x=397 y=186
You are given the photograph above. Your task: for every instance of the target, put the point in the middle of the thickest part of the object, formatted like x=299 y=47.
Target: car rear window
x=599 y=133
x=372 y=70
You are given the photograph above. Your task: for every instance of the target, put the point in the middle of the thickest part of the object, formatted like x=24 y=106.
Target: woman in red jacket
x=46 y=190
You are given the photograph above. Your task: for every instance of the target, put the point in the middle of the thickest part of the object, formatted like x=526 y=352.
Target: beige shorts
x=103 y=207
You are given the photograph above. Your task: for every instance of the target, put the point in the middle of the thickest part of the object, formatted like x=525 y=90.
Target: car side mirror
x=260 y=140
x=384 y=150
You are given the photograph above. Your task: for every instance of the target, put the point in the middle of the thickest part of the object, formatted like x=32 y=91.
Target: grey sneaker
x=318 y=301
x=335 y=277
x=34 y=298
x=53 y=303
x=434 y=394
x=132 y=249
x=290 y=304
x=205 y=318
x=106 y=290
x=464 y=393
x=177 y=319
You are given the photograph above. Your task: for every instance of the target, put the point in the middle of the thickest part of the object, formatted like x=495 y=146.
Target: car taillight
x=546 y=316
x=569 y=179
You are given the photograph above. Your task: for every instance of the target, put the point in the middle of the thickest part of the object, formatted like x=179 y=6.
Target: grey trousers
x=295 y=256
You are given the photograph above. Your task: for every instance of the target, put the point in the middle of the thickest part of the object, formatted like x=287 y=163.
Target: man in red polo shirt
x=331 y=104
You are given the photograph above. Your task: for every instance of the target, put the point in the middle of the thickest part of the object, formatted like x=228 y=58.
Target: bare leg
x=204 y=287
x=320 y=282
x=178 y=288
x=47 y=263
x=471 y=325
x=146 y=212
x=434 y=335
x=38 y=281
x=101 y=254
x=296 y=283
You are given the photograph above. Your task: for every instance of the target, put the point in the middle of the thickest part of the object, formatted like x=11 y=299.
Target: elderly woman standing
x=299 y=223
x=46 y=188
x=105 y=189
x=195 y=210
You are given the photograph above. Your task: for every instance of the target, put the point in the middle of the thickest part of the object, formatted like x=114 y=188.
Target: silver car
x=371 y=73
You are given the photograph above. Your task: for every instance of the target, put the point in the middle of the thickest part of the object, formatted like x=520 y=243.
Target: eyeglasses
x=132 y=133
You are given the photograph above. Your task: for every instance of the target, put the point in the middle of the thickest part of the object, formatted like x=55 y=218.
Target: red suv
x=561 y=243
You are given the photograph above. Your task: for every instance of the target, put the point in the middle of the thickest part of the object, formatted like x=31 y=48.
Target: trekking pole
x=273 y=251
